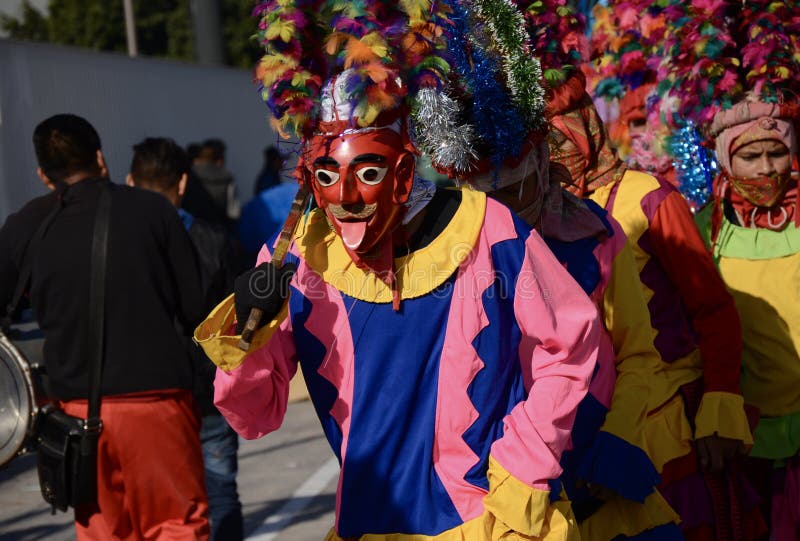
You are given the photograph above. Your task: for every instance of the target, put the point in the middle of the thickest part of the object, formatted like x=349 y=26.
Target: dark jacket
x=216 y=256
x=152 y=280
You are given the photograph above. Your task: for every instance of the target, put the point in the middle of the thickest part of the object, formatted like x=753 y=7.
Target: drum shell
x=18 y=401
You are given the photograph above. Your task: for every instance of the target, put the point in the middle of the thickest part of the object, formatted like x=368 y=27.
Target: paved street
x=287 y=483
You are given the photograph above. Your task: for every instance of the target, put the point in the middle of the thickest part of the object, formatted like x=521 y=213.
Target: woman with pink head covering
x=743 y=90
x=753 y=229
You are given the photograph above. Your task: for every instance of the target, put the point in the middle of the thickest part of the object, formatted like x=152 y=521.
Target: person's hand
x=265 y=287
x=715 y=452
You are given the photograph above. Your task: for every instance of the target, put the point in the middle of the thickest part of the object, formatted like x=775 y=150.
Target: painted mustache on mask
x=358 y=211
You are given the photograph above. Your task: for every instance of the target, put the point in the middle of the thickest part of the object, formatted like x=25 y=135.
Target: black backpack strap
x=97 y=297
x=27 y=264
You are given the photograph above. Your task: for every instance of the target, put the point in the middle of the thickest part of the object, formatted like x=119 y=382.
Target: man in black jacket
x=161 y=166
x=150 y=471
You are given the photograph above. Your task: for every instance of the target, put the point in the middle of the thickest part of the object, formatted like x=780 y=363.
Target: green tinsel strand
x=523 y=70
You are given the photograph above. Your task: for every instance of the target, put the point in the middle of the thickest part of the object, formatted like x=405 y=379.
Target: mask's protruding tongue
x=353 y=233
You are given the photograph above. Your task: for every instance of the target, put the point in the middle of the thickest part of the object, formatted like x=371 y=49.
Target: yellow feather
x=269 y=61
x=375 y=41
x=416 y=10
x=283 y=29
x=268 y=77
x=367 y=114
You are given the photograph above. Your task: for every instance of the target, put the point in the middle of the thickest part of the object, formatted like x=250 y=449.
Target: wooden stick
x=278 y=256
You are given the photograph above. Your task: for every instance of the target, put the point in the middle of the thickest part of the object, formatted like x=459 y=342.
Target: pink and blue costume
x=449 y=417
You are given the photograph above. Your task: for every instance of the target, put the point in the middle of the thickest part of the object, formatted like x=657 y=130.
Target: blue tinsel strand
x=694 y=164
x=497 y=121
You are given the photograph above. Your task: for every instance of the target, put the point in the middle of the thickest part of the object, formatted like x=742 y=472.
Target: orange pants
x=150 y=470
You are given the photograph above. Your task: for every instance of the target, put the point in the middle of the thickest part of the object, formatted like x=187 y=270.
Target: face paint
x=361 y=180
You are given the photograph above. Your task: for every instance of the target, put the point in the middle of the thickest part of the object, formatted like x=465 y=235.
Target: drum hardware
x=20 y=402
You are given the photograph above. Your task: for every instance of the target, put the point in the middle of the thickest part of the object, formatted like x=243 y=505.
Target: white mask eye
x=326 y=178
x=371 y=175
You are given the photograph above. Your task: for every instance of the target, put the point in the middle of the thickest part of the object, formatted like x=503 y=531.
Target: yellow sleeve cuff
x=722 y=414
x=223 y=349
x=516 y=508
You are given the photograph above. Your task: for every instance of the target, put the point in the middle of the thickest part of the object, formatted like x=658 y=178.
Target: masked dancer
x=445 y=349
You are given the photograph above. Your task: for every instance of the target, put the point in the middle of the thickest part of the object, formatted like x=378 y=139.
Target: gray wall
x=126 y=100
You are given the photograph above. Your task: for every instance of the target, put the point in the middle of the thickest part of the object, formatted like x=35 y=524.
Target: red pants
x=150 y=470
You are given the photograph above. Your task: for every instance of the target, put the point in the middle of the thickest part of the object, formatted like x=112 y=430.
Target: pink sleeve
x=254 y=396
x=560 y=336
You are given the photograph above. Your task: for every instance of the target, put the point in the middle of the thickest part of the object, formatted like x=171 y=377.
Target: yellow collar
x=418 y=273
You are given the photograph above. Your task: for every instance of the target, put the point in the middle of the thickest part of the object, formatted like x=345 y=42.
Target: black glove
x=265 y=287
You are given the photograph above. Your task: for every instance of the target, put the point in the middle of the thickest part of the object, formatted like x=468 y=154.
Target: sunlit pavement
x=287 y=485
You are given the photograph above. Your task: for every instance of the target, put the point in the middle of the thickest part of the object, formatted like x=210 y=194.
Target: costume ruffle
x=215 y=336
x=619 y=516
x=666 y=532
x=752 y=244
x=418 y=273
x=603 y=458
x=616 y=464
x=513 y=512
x=515 y=507
x=473 y=530
x=722 y=414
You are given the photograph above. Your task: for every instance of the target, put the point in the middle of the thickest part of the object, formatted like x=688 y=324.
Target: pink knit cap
x=747 y=122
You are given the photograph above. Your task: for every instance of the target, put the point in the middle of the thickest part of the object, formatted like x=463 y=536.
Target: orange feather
x=357 y=53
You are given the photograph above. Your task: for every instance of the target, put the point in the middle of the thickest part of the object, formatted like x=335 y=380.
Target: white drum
x=18 y=407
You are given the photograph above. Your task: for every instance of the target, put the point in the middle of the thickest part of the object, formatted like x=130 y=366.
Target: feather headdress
x=626 y=44
x=463 y=70
x=718 y=50
x=558 y=34
x=308 y=41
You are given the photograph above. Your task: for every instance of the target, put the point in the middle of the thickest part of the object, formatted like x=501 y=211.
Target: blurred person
x=270 y=174
x=196 y=200
x=149 y=461
x=209 y=167
x=161 y=166
x=263 y=216
x=192 y=152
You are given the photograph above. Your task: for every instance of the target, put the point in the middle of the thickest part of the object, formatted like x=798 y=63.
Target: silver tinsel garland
x=438 y=133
